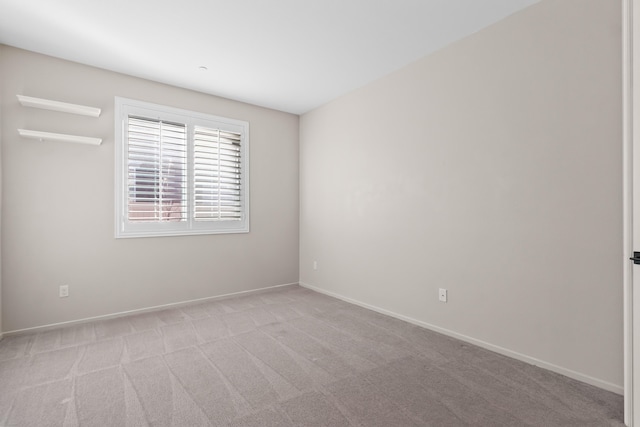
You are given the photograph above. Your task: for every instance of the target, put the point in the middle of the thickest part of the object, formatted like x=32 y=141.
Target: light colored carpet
x=289 y=357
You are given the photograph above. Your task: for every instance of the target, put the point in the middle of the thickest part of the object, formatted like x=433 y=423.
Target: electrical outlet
x=315 y=265
x=64 y=291
x=442 y=295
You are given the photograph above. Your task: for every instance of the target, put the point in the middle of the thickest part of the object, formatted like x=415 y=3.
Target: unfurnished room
x=319 y=213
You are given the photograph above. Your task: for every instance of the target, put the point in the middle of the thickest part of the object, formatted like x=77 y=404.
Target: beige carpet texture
x=286 y=357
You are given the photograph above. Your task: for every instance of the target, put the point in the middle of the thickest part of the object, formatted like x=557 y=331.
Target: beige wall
x=492 y=168
x=58 y=203
x=1 y=138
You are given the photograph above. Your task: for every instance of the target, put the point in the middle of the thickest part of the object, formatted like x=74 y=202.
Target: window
x=179 y=172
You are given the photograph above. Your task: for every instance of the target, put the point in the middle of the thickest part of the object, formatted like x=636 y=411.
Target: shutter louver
x=156 y=170
x=217 y=170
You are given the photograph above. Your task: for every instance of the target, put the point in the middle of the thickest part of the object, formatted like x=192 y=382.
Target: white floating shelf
x=49 y=136
x=28 y=101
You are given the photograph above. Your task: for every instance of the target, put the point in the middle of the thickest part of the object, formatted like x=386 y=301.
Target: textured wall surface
x=58 y=203
x=492 y=168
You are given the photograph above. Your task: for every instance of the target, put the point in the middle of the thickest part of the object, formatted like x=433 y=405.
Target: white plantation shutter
x=179 y=172
x=156 y=165
x=217 y=173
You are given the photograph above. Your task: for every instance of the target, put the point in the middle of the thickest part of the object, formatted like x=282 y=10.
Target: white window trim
x=125 y=229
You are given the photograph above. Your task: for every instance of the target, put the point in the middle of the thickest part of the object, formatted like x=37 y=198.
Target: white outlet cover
x=442 y=295
x=64 y=291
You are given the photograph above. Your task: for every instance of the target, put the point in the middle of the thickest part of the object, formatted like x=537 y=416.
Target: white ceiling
x=290 y=55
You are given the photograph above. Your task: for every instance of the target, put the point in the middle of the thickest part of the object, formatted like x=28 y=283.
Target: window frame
x=124 y=228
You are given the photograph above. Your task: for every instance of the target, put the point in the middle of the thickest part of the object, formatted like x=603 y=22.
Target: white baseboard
x=501 y=350
x=142 y=310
